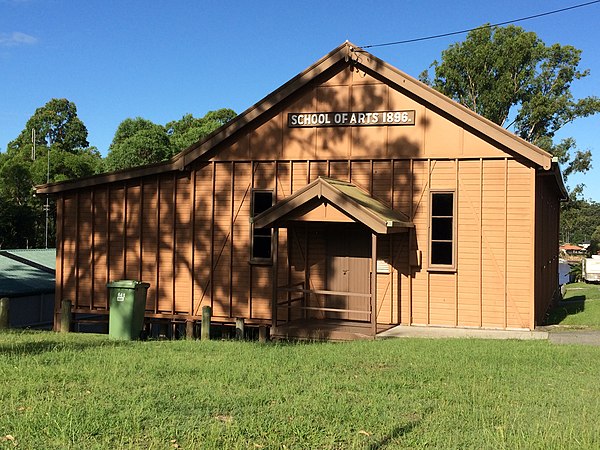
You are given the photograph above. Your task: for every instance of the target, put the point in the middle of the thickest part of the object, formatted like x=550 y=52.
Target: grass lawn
x=81 y=391
x=580 y=308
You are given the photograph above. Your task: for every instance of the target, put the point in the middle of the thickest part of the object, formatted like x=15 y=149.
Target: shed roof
x=352 y=201
x=348 y=54
x=26 y=272
x=571 y=247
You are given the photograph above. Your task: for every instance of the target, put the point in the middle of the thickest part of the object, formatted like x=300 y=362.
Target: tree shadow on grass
x=574 y=305
x=48 y=346
x=396 y=432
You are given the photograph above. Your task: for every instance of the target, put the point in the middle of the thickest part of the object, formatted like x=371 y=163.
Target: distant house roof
x=27 y=272
x=571 y=247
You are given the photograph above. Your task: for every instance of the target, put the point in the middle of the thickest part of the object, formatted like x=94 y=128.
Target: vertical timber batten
x=480 y=242
x=428 y=216
x=108 y=234
x=193 y=245
x=157 y=256
x=92 y=249
x=124 y=233
x=212 y=233
x=275 y=275
x=505 y=242
x=77 y=240
x=535 y=246
x=250 y=270
x=60 y=252
x=231 y=238
x=455 y=237
x=411 y=236
x=174 y=244
x=374 y=283
x=141 y=231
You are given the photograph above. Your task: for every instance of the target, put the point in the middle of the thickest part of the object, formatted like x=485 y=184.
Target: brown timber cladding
x=171 y=229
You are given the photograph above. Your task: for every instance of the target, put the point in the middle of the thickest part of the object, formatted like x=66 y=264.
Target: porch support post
x=374 y=283
x=274 y=277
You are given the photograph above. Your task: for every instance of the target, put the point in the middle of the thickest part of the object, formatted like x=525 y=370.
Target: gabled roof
x=40 y=258
x=349 y=54
x=571 y=247
x=347 y=198
x=26 y=272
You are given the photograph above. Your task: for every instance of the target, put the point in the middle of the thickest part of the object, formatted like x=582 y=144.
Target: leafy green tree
x=512 y=78
x=594 y=242
x=17 y=185
x=56 y=122
x=137 y=142
x=19 y=225
x=189 y=130
x=579 y=220
x=140 y=142
x=60 y=135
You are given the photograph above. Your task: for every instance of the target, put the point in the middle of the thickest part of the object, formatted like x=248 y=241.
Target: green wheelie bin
x=127 y=306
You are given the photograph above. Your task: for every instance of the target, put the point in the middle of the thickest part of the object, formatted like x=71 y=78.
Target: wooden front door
x=348 y=270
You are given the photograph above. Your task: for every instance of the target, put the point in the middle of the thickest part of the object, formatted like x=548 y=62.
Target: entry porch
x=339 y=239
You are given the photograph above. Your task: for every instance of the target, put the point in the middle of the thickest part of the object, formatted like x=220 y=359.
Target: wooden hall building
x=351 y=199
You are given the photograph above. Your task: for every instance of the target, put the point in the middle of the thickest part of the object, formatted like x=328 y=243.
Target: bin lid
x=127 y=284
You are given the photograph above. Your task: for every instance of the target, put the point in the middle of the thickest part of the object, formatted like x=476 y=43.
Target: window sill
x=260 y=262
x=441 y=269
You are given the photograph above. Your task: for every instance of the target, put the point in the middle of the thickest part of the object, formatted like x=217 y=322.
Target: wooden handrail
x=287 y=302
x=325 y=292
x=316 y=308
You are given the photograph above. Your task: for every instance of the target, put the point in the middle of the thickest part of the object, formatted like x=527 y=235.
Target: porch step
x=323 y=330
x=317 y=335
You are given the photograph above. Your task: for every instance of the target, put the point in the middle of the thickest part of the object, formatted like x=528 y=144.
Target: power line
x=454 y=33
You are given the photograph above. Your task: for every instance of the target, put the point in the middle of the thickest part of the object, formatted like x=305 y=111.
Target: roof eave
x=268 y=102
x=438 y=100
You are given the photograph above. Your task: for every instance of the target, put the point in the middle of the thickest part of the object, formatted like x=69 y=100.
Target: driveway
x=581 y=337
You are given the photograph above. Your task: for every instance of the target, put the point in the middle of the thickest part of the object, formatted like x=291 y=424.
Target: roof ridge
x=346 y=53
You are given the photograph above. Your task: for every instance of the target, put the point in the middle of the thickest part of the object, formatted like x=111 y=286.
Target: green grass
x=580 y=308
x=83 y=391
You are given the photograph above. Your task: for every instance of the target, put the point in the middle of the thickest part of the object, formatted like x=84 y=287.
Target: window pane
x=442 y=204
x=441 y=229
x=262 y=247
x=262 y=201
x=262 y=232
x=441 y=253
x=261 y=237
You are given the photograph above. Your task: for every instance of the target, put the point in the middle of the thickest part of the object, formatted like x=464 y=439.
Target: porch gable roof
x=346 y=197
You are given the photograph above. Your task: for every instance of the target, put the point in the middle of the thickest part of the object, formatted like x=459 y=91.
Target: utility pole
x=47 y=207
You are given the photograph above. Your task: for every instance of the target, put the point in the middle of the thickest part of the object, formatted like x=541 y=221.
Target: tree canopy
x=139 y=141
x=62 y=152
x=188 y=130
x=511 y=77
x=53 y=147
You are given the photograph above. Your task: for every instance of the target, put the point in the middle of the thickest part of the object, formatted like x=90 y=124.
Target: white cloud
x=16 y=38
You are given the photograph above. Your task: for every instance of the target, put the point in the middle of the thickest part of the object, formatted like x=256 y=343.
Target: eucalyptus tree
x=511 y=77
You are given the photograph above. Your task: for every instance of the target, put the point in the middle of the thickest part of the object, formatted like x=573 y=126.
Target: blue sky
x=160 y=60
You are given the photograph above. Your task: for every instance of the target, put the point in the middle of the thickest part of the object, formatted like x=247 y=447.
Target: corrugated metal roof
x=43 y=257
x=26 y=272
x=383 y=212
